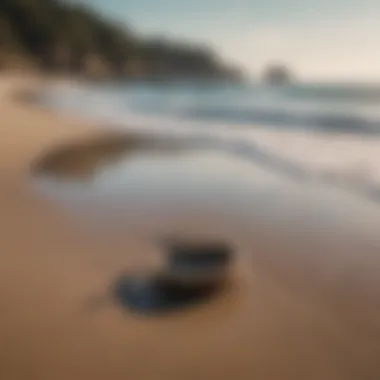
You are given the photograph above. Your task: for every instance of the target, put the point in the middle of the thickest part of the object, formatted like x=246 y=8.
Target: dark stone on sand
x=198 y=263
x=194 y=273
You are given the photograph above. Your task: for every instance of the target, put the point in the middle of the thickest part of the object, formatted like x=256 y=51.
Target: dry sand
x=278 y=320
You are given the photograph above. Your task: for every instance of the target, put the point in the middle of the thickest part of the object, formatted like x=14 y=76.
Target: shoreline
x=284 y=317
x=345 y=160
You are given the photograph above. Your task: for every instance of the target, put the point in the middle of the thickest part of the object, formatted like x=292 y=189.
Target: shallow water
x=162 y=185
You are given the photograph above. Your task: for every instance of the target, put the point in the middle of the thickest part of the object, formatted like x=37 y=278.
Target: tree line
x=62 y=37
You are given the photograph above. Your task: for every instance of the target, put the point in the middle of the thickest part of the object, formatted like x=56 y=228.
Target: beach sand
x=281 y=317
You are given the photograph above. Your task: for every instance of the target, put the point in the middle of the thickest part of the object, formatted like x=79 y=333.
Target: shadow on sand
x=81 y=161
x=156 y=294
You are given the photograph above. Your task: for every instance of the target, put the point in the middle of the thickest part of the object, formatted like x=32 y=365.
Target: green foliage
x=64 y=36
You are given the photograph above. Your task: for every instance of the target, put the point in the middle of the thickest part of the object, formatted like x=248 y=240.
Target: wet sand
x=302 y=302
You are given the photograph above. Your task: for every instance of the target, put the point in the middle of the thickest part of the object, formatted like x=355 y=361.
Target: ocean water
x=330 y=108
x=322 y=132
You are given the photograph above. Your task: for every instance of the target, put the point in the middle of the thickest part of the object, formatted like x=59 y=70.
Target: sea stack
x=277 y=74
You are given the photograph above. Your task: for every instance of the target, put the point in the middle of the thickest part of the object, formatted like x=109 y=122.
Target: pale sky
x=319 y=39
